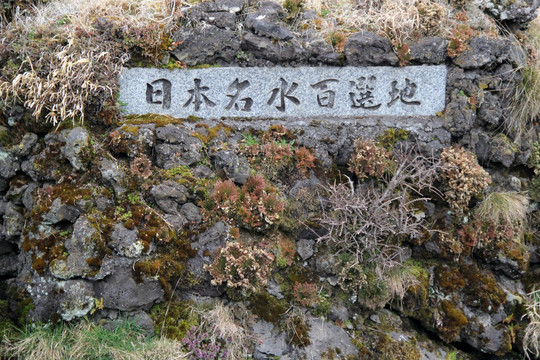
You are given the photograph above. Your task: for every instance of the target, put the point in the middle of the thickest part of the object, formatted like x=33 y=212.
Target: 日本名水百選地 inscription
x=285 y=92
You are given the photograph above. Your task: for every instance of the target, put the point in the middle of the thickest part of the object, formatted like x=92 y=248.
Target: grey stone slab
x=302 y=92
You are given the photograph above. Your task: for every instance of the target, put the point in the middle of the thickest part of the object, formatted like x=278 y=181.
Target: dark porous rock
x=177 y=147
x=6 y=247
x=77 y=141
x=366 y=48
x=339 y=312
x=192 y=212
x=320 y=51
x=112 y=174
x=264 y=48
x=45 y=294
x=323 y=336
x=268 y=26
x=459 y=117
x=26 y=146
x=80 y=246
x=28 y=196
x=429 y=50
x=13 y=222
x=77 y=299
x=120 y=291
x=124 y=241
x=304 y=248
x=60 y=212
x=169 y=195
x=235 y=167
x=206 y=245
x=230 y=6
x=8 y=165
x=490 y=111
x=273 y=343
x=487 y=52
x=206 y=45
x=274 y=289
x=503 y=150
x=15 y=193
x=203 y=172
x=223 y=20
x=272 y=8
x=8 y=265
x=175 y=221
x=479 y=140
x=518 y=11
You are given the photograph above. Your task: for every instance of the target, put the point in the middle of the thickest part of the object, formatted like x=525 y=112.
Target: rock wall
x=110 y=222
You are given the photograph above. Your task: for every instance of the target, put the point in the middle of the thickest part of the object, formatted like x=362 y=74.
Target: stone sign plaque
x=302 y=92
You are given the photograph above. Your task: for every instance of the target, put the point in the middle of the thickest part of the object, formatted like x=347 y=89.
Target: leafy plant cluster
x=369 y=159
x=241 y=266
x=462 y=177
x=276 y=150
x=256 y=205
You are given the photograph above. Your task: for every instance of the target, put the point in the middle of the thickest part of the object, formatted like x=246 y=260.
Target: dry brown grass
x=65 y=55
x=531 y=338
x=508 y=208
x=525 y=98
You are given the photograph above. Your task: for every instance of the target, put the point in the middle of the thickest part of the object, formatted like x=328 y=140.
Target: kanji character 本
x=159 y=92
x=197 y=95
x=239 y=87
x=284 y=94
x=404 y=95
x=361 y=93
x=327 y=97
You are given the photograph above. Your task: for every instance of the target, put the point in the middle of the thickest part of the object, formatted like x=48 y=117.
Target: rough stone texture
x=503 y=150
x=120 y=291
x=304 y=248
x=61 y=212
x=303 y=92
x=272 y=342
x=459 y=117
x=486 y=52
x=366 y=48
x=13 y=221
x=265 y=48
x=268 y=26
x=26 y=146
x=519 y=11
x=168 y=196
x=8 y=165
x=77 y=299
x=80 y=246
x=77 y=141
x=124 y=241
x=235 y=167
x=176 y=147
x=430 y=50
x=323 y=336
x=191 y=212
x=206 y=45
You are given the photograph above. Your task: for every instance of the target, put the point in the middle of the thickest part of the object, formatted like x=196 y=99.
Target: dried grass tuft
x=504 y=207
x=531 y=338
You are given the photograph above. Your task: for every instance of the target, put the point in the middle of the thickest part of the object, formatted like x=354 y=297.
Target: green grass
x=86 y=341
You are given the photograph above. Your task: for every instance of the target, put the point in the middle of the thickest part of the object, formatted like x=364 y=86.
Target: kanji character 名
x=284 y=94
x=326 y=97
x=159 y=92
x=239 y=87
x=404 y=95
x=361 y=93
x=197 y=96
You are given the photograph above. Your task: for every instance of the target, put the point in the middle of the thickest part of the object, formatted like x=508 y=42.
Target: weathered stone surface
x=429 y=50
x=268 y=26
x=192 y=212
x=26 y=146
x=124 y=241
x=304 y=248
x=77 y=299
x=519 y=11
x=323 y=336
x=120 y=291
x=272 y=342
x=235 y=167
x=13 y=221
x=61 y=212
x=277 y=92
x=77 y=141
x=176 y=147
x=80 y=246
x=168 y=196
x=8 y=165
x=503 y=150
x=459 y=117
x=485 y=52
x=366 y=48
x=266 y=48
x=206 y=45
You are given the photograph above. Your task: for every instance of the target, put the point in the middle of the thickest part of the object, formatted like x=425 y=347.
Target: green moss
x=453 y=321
x=173 y=319
x=448 y=278
x=391 y=137
x=482 y=290
x=158 y=120
x=298 y=331
x=267 y=307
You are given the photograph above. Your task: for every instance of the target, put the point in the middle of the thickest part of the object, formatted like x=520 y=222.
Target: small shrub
x=463 y=177
x=202 y=346
x=461 y=35
x=240 y=266
x=306 y=294
x=305 y=159
x=141 y=166
x=368 y=159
